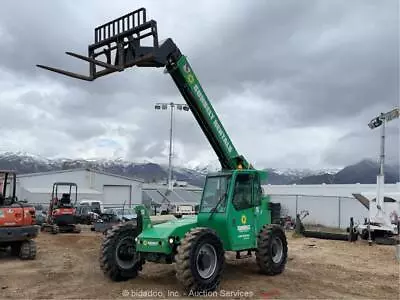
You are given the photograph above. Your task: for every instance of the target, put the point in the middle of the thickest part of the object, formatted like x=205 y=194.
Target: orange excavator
x=17 y=220
x=61 y=215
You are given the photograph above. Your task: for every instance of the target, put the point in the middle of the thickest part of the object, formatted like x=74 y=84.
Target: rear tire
x=28 y=250
x=200 y=261
x=271 y=254
x=118 y=257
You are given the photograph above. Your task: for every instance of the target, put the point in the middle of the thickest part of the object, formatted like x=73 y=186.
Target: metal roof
x=160 y=186
x=173 y=197
x=60 y=189
x=176 y=196
x=189 y=195
x=155 y=196
x=79 y=169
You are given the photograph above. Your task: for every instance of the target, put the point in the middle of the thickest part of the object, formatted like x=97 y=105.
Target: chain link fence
x=330 y=211
x=45 y=205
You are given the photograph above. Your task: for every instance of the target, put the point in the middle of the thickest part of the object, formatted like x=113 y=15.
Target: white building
x=344 y=190
x=113 y=190
x=327 y=204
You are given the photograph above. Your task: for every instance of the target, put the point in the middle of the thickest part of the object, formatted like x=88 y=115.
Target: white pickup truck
x=179 y=210
x=94 y=204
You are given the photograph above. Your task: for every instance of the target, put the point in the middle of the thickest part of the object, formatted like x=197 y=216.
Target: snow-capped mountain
x=24 y=162
x=303 y=172
x=363 y=172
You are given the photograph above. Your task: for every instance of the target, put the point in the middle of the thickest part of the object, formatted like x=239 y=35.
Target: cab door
x=241 y=221
x=260 y=214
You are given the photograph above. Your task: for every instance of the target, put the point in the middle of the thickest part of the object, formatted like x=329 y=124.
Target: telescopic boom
x=119 y=41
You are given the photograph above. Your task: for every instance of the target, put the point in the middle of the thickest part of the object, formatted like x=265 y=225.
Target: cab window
x=257 y=190
x=214 y=194
x=242 y=197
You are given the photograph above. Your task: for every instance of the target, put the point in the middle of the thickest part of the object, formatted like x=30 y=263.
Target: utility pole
x=170 y=148
x=165 y=106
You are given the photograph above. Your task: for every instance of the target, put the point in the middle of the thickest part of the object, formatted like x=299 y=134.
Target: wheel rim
x=277 y=250
x=125 y=253
x=206 y=261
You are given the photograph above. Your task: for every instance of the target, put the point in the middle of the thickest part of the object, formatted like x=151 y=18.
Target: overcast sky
x=295 y=83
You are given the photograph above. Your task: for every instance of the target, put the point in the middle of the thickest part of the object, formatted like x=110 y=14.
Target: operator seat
x=65 y=200
x=241 y=199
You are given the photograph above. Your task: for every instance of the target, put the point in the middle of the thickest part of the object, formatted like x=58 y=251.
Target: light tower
x=165 y=106
x=376 y=211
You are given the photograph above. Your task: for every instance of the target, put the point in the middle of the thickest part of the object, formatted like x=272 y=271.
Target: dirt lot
x=67 y=267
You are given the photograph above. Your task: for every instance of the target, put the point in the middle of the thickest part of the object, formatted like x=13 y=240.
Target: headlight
x=171 y=240
x=136 y=239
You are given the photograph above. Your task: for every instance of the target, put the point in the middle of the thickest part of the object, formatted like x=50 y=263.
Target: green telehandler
x=233 y=214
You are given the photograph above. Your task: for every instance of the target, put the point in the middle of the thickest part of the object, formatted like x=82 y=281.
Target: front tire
x=118 y=257
x=271 y=254
x=200 y=260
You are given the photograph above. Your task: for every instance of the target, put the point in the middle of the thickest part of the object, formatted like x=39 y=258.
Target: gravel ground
x=67 y=267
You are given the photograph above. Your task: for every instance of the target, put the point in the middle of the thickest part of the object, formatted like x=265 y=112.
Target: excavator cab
x=17 y=220
x=7 y=187
x=61 y=214
x=65 y=200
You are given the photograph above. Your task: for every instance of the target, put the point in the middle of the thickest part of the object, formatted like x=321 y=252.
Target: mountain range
x=363 y=172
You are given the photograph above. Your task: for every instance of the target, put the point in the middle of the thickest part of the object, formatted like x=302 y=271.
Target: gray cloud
x=325 y=60
x=312 y=73
x=348 y=147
